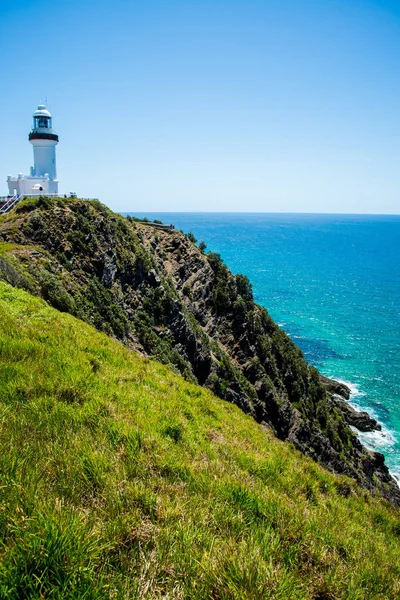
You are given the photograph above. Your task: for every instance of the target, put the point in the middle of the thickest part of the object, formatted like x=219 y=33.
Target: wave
x=355 y=401
x=378 y=441
x=355 y=391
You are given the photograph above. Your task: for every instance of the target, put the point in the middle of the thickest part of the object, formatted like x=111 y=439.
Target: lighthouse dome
x=42 y=111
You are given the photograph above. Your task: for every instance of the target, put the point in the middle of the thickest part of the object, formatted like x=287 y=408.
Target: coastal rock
x=335 y=387
x=339 y=393
x=361 y=420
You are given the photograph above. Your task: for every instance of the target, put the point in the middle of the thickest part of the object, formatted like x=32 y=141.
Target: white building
x=43 y=176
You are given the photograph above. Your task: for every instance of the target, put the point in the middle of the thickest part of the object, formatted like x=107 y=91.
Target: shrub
x=31 y=203
x=77 y=239
x=244 y=287
x=216 y=262
x=189 y=236
x=187 y=291
x=108 y=311
x=220 y=297
x=53 y=291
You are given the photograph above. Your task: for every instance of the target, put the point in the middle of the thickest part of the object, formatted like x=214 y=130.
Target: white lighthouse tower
x=43 y=176
x=44 y=141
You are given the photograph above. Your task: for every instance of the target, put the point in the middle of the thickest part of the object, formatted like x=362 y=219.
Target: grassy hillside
x=121 y=480
x=158 y=293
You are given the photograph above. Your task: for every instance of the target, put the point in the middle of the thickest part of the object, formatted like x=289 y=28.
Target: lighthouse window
x=42 y=122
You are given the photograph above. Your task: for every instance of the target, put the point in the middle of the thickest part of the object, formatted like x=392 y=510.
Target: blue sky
x=200 y=105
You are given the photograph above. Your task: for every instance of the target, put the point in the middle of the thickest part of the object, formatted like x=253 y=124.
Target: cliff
x=156 y=292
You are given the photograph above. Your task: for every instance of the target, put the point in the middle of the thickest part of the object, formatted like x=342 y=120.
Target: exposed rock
x=109 y=271
x=154 y=279
x=361 y=420
x=336 y=387
x=339 y=393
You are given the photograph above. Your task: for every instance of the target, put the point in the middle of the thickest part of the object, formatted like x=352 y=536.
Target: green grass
x=121 y=480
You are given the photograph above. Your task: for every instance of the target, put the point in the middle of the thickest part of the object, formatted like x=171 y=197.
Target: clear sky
x=209 y=105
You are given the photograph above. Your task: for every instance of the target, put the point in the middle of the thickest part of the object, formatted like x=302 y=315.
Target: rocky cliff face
x=156 y=292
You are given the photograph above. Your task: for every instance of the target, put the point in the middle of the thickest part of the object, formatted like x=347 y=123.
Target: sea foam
x=378 y=441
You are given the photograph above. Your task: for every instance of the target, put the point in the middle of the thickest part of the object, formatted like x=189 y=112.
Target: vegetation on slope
x=155 y=291
x=119 y=479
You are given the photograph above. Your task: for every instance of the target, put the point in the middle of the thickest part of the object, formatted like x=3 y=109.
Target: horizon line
x=242 y=212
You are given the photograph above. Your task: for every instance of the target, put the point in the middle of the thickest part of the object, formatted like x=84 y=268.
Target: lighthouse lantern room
x=43 y=175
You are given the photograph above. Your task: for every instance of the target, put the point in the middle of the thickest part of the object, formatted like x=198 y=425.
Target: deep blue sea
x=333 y=283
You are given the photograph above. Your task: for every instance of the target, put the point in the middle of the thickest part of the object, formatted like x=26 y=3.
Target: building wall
x=29 y=186
x=44 y=155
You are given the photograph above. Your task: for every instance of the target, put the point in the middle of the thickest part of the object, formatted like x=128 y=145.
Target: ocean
x=333 y=283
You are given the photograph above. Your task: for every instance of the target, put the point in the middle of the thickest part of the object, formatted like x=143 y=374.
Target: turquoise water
x=333 y=283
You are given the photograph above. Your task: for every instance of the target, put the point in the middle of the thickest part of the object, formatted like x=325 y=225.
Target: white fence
x=7 y=202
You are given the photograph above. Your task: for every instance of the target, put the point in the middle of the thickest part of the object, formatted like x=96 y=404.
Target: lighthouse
x=43 y=175
x=44 y=141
